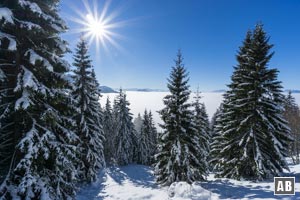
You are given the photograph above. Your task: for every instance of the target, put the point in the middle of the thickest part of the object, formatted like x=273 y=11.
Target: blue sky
x=208 y=32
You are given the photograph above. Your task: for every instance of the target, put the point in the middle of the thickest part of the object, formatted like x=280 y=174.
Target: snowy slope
x=136 y=182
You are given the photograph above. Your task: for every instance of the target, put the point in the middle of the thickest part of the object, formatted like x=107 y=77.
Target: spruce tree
x=8 y=47
x=147 y=140
x=292 y=115
x=35 y=112
x=202 y=126
x=217 y=141
x=153 y=137
x=178 y=157
x=255 y=135
x=89 y=125
x=138 y=121
x=109 y=132
x=125 y=140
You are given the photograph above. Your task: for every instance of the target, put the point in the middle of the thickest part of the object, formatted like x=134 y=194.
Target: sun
x=98 y=26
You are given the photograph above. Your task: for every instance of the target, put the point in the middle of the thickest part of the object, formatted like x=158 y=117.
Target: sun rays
x=98 y=26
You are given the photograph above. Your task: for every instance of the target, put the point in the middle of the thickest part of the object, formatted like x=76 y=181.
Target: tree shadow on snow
x=91 y=191
x=137 y=174
x=292 y=173
x=227 y=190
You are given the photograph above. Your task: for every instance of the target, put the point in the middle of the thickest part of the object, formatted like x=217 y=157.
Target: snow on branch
x=23 y=102
x=2 y=75
x=12 y=42
x=33 y=6
x=33 y=57
x=27 y=141
x=35 y=9
x=29 y=25
x=27 y=79
x=7 y=15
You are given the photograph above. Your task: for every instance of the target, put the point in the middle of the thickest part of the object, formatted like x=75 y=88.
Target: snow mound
x=185 y=191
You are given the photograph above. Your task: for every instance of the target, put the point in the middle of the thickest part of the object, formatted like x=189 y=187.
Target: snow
x=29 y=79
x=34 y=8
x=2 y=75
x=63 y=47
x=132 y=182
x=33 y=57
x=24 y=102
x=233 y=189
x=12 y=42
x=29 y=25
x=136 y=182
x=185 y=191
x=7 y=15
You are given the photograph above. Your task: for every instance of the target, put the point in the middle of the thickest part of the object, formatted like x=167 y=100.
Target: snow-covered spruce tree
x=292 y=115
x=7 y=51
x=138 y=121
x=109 y=132
x=89 y=125
x=125 y=138
x=147 y=140
x=202 y=126
x=216 y=142
x=6 y=137
x=153 y=137
x=35 y=111
x=143 y=150
x=255 y=135
x=178 y=157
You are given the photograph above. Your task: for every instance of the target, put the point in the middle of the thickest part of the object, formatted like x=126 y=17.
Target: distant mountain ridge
x=106 y=89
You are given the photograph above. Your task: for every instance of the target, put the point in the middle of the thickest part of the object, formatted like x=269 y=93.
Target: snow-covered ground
x=129 y=182
x=136 y=182
x=139 y=101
